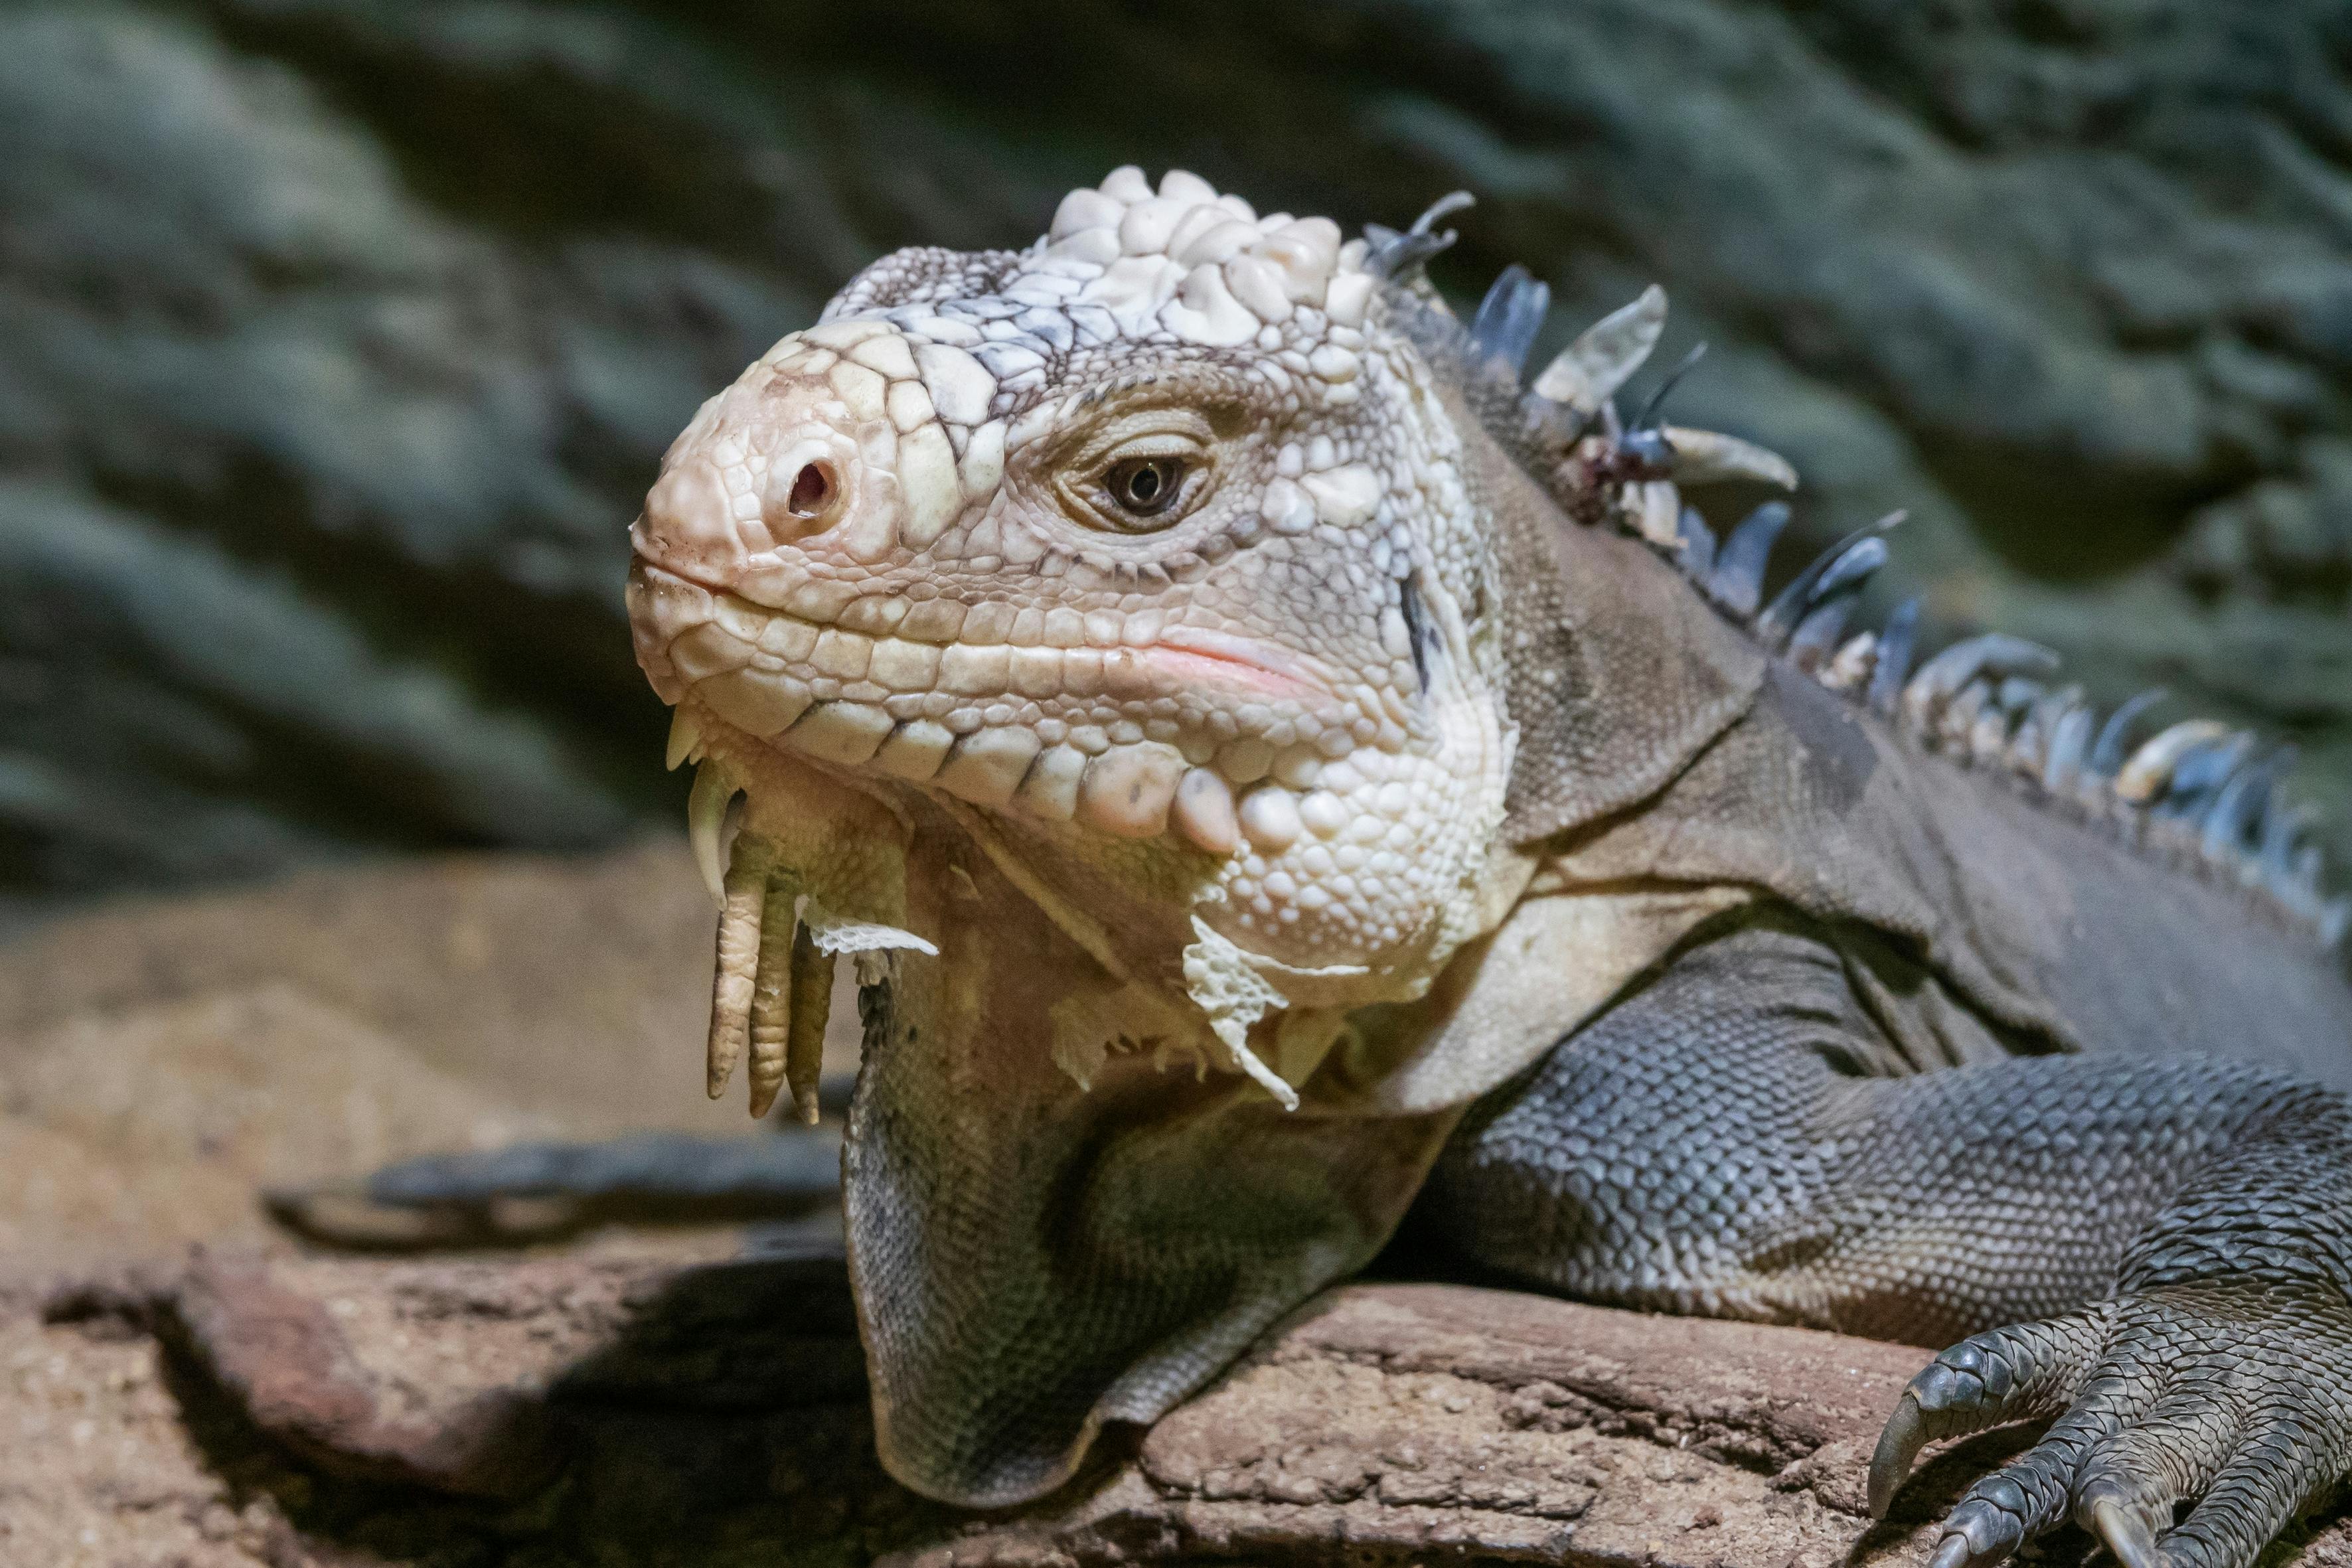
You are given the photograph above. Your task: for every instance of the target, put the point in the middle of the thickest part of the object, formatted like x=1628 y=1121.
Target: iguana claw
x=2127 y=1534
x=1898 y=1447
x=1952 y=1551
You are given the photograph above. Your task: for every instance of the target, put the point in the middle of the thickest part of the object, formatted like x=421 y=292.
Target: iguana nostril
x=813 y=490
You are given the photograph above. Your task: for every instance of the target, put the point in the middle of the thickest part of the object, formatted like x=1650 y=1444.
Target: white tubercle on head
x=1201 y=266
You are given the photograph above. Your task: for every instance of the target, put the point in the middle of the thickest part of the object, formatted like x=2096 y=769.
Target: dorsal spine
x=2196 y=795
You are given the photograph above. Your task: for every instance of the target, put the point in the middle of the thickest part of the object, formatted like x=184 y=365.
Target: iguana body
x=1259 y=753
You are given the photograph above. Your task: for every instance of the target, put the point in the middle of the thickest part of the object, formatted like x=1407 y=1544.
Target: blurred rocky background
x=339 y=338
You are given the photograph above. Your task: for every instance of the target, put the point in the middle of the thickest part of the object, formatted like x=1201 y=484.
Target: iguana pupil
x=1144 y=486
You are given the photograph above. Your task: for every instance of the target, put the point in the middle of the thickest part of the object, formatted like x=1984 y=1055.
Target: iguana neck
x=1617 y=677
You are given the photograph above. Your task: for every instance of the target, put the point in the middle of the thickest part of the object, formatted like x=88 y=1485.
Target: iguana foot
x=2233 y=1396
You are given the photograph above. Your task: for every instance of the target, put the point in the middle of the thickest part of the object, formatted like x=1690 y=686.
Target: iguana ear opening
x=1032 y=1258
x=1617 y=674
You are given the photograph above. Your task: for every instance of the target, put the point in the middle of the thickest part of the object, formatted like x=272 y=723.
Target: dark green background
x=339 y=339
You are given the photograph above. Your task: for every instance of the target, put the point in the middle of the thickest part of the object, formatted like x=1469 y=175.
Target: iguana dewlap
x=1262 y=753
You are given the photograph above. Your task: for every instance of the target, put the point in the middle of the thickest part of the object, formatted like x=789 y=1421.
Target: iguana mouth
x=875 y=620
x=1180 y=655
x=1123 y=723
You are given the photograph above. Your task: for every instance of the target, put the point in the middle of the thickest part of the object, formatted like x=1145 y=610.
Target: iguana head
x=1145 y=551
x=1114 y=644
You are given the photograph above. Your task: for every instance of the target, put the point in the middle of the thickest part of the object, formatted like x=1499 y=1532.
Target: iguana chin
x=1268 y=763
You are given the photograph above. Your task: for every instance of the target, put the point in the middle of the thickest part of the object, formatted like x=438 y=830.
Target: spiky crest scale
x=2196 y=795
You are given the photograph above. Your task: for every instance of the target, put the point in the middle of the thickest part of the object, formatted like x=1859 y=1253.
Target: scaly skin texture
x=1246 y=739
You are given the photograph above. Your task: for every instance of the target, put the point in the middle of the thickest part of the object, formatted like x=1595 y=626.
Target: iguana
x=1272 y=764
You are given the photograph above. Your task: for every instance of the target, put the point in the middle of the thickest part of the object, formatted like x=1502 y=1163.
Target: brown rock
x=287 y=1357
x=695 y=1408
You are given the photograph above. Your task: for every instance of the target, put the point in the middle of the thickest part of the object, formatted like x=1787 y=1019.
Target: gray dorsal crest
x=2198 y=794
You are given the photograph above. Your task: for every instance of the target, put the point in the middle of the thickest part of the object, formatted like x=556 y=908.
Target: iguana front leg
x=2166 y=1240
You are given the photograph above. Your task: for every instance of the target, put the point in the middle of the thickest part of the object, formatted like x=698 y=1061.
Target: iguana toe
x=2007 y=1374
x=2231 y=1396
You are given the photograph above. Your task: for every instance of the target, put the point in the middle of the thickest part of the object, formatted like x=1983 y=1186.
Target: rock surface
x=239 y=1411
x=339 y=337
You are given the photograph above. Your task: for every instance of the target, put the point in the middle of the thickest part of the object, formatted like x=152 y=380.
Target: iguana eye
x=1139 y=471
x=1144 y=487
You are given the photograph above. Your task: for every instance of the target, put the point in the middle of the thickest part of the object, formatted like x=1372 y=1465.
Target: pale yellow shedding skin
x=816 y=870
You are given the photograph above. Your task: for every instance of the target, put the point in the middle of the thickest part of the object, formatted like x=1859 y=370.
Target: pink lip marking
x=1186 y=657
x=1193 y=657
